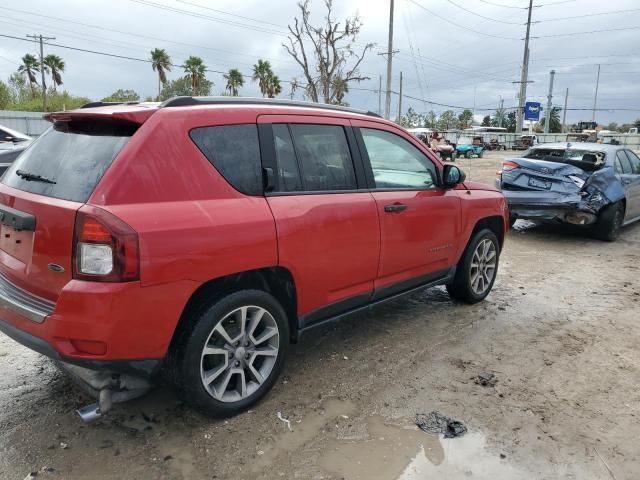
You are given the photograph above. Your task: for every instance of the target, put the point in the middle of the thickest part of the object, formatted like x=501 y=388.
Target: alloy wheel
x=239 y=354
x=483 y=266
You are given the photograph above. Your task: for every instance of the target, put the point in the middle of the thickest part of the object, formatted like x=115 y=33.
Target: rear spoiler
x=129 y=112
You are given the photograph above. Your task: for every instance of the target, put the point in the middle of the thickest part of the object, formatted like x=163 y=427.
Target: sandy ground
x=561 y=332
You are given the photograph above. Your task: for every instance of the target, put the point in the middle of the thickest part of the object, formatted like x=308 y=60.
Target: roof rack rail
x=106 y=104
x=191 y=101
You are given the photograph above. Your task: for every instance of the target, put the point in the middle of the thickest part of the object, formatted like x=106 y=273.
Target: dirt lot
x=560 y=331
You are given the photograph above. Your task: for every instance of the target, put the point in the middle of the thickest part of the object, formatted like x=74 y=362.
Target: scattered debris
x=31 y=475
x=503 y=456
x=345 y=357
x=288 y=422
x=485 y=379
x=613 y=476
x=63 y=445
x=167 y=458
x=437 y=423
x=260 y=452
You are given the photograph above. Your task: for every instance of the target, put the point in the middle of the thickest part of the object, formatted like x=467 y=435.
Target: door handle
x=395 y=207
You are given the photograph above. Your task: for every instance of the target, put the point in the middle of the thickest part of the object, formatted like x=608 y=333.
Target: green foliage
x=6 y=96
x=269 y=83
x=486 y=121
x=161 y=63
x=447 y=120
x=431 y=119
x=465 y=119
x=637 y=123
x=235 y=80
x=55 y=66
x=411 y=119
x=195 y=70
x=182 y=87
x=555 y=124
x=121 y=95
x=28 y=68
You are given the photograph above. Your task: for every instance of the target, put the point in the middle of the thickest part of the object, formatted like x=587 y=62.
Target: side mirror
x=452 y=176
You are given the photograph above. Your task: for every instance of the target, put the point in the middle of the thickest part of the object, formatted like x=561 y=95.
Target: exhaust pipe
x=94 y=411
x=89 y=413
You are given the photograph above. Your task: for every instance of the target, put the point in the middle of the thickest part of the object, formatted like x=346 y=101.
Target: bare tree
x=324 y=51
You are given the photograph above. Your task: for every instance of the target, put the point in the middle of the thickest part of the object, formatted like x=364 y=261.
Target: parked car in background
x=525 y=142
x=12 y=143
x=11 y=139
x=582 y=184
x=495 y=144
x=201 y=236
x=442 y=147
x=470 y=149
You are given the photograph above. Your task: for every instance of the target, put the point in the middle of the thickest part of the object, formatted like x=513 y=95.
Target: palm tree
x=234 y=81
x=55 y=65
x=161 y=63
x=555 y=125
x=261 y=73
x=30 y=65
x=273 y=86
x=195 y=70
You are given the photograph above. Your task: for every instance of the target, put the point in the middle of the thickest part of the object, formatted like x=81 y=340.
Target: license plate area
x=539 y=183
x=17 y=243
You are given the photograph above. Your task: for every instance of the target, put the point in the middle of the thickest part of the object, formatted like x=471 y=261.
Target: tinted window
x=234 y=151
x=73 y=155
x=288 y=173
x=324 y=157
x=622 y=163
x=396 y=163
x=635 y=162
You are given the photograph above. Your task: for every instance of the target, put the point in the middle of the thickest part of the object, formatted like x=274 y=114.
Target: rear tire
x=481 y=154
x=232 y=353
x=467 y=154
x=477 y=269
x=609 y=221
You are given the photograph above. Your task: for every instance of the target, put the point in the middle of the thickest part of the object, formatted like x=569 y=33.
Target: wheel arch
x=493 y=223
x=277 y=281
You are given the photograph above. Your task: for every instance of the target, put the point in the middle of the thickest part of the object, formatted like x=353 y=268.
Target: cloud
x=444 y=62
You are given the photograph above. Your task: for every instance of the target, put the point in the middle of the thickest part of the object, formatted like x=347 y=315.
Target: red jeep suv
x=201 y=236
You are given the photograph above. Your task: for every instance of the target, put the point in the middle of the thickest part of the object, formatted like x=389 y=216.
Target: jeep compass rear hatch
x=39 y=196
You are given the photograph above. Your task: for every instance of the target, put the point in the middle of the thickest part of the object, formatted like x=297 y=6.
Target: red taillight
x=105 y=249
x=509 y=166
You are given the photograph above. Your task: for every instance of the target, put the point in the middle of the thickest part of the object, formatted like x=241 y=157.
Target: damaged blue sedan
x=591 y=184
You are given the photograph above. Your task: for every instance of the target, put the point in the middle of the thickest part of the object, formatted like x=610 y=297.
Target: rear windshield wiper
x=32 y=177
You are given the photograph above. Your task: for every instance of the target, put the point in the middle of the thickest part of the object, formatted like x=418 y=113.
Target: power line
x=585 y=33
x=454 y=23
x=500 y=5
x=588 y=15
x=230 y=14
x=482 y=16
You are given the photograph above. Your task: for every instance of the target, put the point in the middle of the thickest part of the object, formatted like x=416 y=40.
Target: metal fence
x=30 y=123
x=630 y=140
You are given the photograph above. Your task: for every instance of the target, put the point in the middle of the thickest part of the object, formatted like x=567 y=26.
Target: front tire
x=609 y=221
x=233 y=353
x=477 y=269
x=467 y=154
x=480 y=154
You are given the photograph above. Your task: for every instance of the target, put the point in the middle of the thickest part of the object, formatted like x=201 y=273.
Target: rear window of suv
x=69 y=159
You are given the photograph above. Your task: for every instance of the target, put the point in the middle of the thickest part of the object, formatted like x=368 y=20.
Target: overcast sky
x=458 y=52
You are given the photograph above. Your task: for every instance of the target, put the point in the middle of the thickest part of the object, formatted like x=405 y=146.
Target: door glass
x=287 y=165
x=635 y=162
x=324 y=157
x=396 y=163
x=622 y=163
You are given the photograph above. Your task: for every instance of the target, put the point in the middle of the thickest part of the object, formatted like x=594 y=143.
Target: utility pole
x=44 y=85
x=547 y=117
x=595 y=98
x=387 y=105
x=501 y=112
x=564 y=112
x=524 y=74
x=400 y=101
x=380 y=97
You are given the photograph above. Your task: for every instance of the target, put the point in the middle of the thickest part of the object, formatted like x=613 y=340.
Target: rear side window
x=622 y=163
x=234 y=151
x=69 y=159
x=324 y=157
x=635 y=162
x=287 y=165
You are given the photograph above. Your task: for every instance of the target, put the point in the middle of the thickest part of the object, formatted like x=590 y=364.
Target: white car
x=11 y=139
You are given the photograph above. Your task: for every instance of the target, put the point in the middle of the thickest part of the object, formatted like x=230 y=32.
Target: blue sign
x=532 y=111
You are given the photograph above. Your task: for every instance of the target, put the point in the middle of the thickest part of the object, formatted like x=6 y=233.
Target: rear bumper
x=118 y=327
x=146 y=368
x=549 y=206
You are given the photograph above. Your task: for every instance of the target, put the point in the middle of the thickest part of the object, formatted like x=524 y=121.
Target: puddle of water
x=385 y=455
x=307 y=429
x=402 y=452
